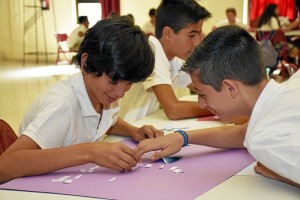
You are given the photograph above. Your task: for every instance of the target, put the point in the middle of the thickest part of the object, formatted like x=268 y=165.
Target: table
x=244 y=185
x=292 y=33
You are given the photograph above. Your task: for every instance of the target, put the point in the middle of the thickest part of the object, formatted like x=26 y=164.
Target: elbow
x=172 y=114
x=5 y=174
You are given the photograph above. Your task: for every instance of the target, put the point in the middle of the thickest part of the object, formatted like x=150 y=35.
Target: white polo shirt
x=63 y=115
x=73 y=38
x=238 y=22
x=140 y=100
x=273 y=133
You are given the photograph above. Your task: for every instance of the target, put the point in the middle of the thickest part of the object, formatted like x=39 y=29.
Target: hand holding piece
x=168 y=144
x=116 y=156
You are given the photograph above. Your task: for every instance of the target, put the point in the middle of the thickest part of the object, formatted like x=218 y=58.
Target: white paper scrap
x=112 y=179
x=68 y=181
x=91 y=170
x=148 y=165
x=78 y=176
x=178 y=171
x=95 y=167
x=161 y=167
x=61 y=179
x=173 y=168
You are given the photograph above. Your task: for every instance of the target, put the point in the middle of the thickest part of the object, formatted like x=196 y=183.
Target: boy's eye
x=113 y=82
x=201 y=96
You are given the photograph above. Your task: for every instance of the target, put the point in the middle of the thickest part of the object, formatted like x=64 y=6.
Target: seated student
x=65 y=125
x=78 y=33
x=149 y=26
x=228 y=65
x=231 y=20
x=178 y=31
x=113 y=14
x=269 y=21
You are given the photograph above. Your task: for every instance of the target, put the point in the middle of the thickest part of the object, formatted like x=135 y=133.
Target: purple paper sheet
x=204 y=168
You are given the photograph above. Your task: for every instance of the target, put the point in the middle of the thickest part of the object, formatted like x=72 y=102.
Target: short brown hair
x=232 y=10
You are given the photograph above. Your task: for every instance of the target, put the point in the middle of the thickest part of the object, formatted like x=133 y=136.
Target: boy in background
x=178 y=30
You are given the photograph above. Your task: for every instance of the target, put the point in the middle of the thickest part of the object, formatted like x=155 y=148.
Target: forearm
x=21 y=163
x=219 y=137
x=174 y=108
x=292 y=25
x=184 y=109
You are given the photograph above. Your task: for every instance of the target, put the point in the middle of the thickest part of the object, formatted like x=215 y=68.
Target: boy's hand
x=116 y=156
x=168 y=144
x=147 y=131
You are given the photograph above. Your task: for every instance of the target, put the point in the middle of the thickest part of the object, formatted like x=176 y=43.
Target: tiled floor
x=19 y=86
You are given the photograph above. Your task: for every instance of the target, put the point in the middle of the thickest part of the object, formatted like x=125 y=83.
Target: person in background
x=178 y=30
x=75 y=38
x=228 y=65
x=113 y=14
x=297 y=3
x=149 y=26
x=131 y=17
x=269 y=20
x=231 y=20
x=65 y=126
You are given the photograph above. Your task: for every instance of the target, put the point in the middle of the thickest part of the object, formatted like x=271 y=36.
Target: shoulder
x=222 y=23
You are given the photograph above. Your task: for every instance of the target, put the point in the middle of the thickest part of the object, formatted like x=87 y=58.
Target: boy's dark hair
x=152 y=12
x=82 y=19
x=228 y=52
x=178 y=14
x=297 y=3
x=117 y=48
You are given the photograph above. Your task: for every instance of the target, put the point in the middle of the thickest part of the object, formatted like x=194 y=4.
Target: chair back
x=61 y=37
x=278 y=39
x=7 y=136
x=62 y=48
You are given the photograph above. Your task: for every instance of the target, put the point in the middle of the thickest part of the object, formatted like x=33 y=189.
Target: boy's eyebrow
x=195 y=31
x=198 y=90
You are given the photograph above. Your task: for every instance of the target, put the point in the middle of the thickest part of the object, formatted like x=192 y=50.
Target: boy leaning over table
x=65 y=125
x=228 y=74
x=178 y=29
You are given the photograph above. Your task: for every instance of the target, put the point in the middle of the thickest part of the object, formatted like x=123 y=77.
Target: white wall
x=217 y=8
x=138 y=8
x=13 y=12
x=63 y=14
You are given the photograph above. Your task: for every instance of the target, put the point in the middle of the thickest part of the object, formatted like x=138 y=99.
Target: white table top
x=292 y=33
x=245 y=185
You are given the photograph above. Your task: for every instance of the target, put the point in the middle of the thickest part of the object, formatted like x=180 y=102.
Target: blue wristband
x=185 y=137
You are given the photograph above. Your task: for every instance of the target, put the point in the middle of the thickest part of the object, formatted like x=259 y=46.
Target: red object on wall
x=108 y=6
x=45 y=4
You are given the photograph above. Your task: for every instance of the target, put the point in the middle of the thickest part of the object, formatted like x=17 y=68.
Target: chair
x=278 y=39
x=7 y=136
x=284 y=70
x=62 y=48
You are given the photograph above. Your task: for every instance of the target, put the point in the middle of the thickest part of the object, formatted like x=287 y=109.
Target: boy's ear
x=231 y=87
x=84 y=57
x=167 y=32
